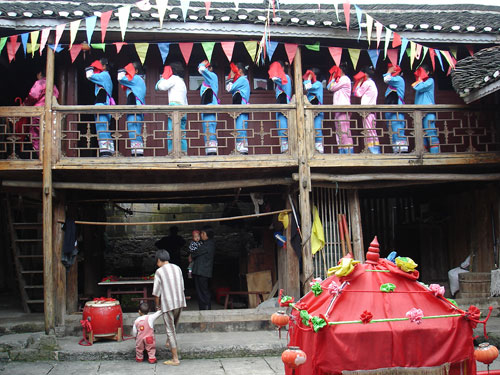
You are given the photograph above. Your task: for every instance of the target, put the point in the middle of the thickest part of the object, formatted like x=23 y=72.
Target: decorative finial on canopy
x=373 y=253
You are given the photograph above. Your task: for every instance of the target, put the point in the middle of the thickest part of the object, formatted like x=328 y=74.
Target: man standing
x=203 y=260
x=168 y=289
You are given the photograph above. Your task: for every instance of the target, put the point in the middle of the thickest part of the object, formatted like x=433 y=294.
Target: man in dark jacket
x=203 y=259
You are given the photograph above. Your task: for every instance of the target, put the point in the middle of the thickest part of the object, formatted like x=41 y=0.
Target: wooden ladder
x=27 y=253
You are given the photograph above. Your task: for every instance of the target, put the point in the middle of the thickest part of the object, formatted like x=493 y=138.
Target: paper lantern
x=293 y=357
x=280 y=319
x=486 y=353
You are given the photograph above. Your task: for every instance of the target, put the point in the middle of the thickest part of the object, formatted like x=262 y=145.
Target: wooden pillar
x=304 y=176
x=59 y=269
x=356 y=228
x=46 y=152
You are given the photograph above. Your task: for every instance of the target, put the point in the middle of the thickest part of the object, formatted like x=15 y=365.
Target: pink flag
x=393 y=56
x=347 y=14
x=186 y=49
x=451 y=60
x=75 y=51
x=470 y=48
x=43 y=39
x=207 y=7
x=105 y=17
x=228 y=48
x=396 y=41
x=59 y=32
x=336 y=53
x=12 y=47
x=378 y=28
x=119 y=46
x=432 y=54
x=291 y=50
x=419 y=51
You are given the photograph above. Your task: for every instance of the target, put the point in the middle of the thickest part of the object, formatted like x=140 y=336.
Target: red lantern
x=486 y=353
x=280 y=319
x=293 y=357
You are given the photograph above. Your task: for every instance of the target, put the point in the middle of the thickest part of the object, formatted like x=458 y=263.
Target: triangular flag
x=388 y=33
x=251 y=47
x=236 y=4
x=369 y=28
x=164 y=49
x=184 y=8
x=186 y=49
x=470 y=48
x=119 y=46
x=73 y=29
x=454 y=50
x=207 y=7
x=354 y=53
x=336 y=5
x=374 y=54
x=449 y=58
x=105 y=17
x=3 y=40
x=12 y=47
x=291 y=50
x=59 y=32
x=228 y=48
x=34 y=38
x=392 y=53
x=378 y=29
x=404 y=43
x=396 y=41
x=123 y=15
x=32 y=48
x=162 y=8
x=44 y=38
x=317 y=233
x=432 y=54
x=57 y=49
x=418 y=51
x=359 y=16
x=313 y=47
x=336 y=53
x=89 y=27
x=271 y=47
x=24 y=40
x=142 y=50
x=101 y=46
x=75 y=51
x=425 y=49
x=347 y=14
x=438 y=55
x=413 y=51
x=208 y=47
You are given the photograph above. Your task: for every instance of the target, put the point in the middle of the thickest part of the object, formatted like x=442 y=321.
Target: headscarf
x=276 y=70
x=130 y=71
x=309 y=74
x=235 y=70
x=421 y=74
x=98 y=67
x=359 y=78
x=167 y=72
x=397 y=69
x=335 y=73
x=206 y=63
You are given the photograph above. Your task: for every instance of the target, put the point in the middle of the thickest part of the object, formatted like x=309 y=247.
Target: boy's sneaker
x=284 y=146
x=319 y=147
x=211 y=148
x=242 y=148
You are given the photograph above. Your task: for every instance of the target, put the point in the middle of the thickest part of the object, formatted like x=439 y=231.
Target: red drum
x=104 y=316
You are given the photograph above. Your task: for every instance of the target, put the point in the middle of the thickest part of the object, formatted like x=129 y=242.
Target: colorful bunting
x=34 y=38
x=184 y=8
x=412 y=53
x=336 y=53
x=55 y=48
x=393 y=56
x=236 y=4
x=404 y=43
x=291 y=50
x=24 y=40
x=359 y=16
x=207 y=7
x=228 y=48
x=354 y=53
x=470 y=48
x=3 y=40
x=313 y=47
x=369 y=28
x=164 y=49
x=208 y=47
x=43 y=39
x=119 y=46
x=336 y=5
x=418 y=51
x=374 y=54
x=438 y=55
x=396 y=41
x=32 y=48
x=251 y=47
x=75 y=51
x=432 y=54
x=123 y=15
x=105 y=17
x=73 y=30
x=90 y=23
x=162 y=8
x=388 y=33
x=142 y=50
x=100 y=46
x=271 y=47
x=454 y=51
x=186 y=49
x=12 y=47
x=347 y=14
x=378 y=29
x=449 y=58
x=59 y=32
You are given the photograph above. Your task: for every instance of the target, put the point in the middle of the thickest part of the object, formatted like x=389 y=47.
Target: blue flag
x=438 y=55
x=404 y=43
x=90 y=26
x=271 y=47
x=359 y=16
x=24 y=39
x=374 y=54
x=164 y=49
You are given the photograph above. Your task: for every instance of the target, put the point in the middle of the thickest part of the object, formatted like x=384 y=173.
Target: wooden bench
x=232 y=293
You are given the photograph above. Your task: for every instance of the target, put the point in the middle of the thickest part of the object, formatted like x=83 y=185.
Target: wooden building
x=436 y=208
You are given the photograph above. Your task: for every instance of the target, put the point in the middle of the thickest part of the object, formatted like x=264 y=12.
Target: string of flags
x=37 y=40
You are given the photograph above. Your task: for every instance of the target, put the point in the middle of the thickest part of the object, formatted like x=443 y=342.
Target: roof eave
x=482 y=92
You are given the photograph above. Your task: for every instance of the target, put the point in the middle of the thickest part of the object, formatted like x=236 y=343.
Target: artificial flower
x=334 y=288
x=437 y=289
x=317 y=289
x=344 y=268
x=366 y=317
x=318 y=323
x=415 y=315
x=305 y=317
x=406 y=264
x=387 y=287
x=473 y=315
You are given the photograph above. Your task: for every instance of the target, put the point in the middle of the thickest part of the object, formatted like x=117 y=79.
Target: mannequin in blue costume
x=136 y=95
x=209 y=92
x=314 y=93
x=395 y=94
x=424 y=94
x=239 y=87
x=97 y=73
x=283 y=92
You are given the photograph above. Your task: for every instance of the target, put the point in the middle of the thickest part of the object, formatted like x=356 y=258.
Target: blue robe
x=396 y=120
x=241 y=86
x=211 y=81
x=102 y=80
x=137 y=87
x=280 y=89
x=315 y=93
x=424 y=94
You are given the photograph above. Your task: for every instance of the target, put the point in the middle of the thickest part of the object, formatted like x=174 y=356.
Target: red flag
x=336 y=53
x=228 y=48
x=347 y=13
x=105 y=17
x=75 y=51
x=396 y=41
x=119 y=46
x=186 y=49
x=12 y=47
x=207 y=7
x=392 y=54
x=291 y=50
x=470 y=48
x=432 y=54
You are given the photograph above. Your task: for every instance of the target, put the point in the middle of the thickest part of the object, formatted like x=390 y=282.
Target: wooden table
x=127 y=287
x=230 y=293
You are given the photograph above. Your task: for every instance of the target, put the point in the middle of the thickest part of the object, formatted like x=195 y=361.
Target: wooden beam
x=288 y=264
x=356 y=224
x=442 y=177
x=59 y=269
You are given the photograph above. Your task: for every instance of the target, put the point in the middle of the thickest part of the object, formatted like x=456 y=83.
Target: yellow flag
x=251 y=47
x=142 y=50
x=317 y=233
x=354 y=53
x=283 y=217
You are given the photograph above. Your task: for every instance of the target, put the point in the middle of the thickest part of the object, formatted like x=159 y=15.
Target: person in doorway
x=424 y=94
x=172 y=82
x=237 y=84
x=395 y=94
x=132 y=80
x=173 y=243
x=98 y=73
x=340 y=85
x=144 y=333
x=314 y=93
x=203 y=262
x=168 y=290
x=193 y=246
x=209 y=92
x=365 y=88
x=283 y=92
x=36 y=97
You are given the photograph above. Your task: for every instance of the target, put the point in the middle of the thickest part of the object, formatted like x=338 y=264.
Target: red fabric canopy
x=378 y=345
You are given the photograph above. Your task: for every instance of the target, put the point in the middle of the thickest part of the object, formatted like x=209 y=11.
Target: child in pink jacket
x=144 y=333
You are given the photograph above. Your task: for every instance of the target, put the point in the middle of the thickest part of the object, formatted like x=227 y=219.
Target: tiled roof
x=479 y=75
x=466 y=18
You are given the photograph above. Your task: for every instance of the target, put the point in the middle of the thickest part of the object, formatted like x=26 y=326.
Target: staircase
x=25 y=229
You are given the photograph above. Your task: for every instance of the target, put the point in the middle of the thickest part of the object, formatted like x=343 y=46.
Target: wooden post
x=419 y=132
x=176 y=134
x=357 y=230
x=59 y=269
x=304 y=176
x=46 y=155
